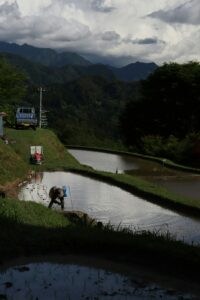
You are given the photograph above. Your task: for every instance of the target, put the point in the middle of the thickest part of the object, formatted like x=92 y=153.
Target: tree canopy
x=169 y=104
x=85 y=111
x=12 y=84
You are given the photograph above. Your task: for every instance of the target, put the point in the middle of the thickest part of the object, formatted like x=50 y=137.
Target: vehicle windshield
x=25 y=110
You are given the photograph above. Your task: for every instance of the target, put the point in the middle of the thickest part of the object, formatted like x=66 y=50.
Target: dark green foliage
x=12 y=84
x=85 y=111
x=82 y=109
x=180 y=150
x=169 y=103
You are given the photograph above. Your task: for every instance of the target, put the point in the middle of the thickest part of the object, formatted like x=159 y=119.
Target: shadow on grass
x=147 y=249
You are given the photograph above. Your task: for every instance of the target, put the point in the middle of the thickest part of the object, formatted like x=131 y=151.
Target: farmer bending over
x=56 y=193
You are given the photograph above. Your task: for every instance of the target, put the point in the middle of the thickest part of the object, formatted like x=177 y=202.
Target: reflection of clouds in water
x=111 y=204
x=105 y=161
x=71 y=281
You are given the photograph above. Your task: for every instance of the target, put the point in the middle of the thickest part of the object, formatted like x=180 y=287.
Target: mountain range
x=46 y=66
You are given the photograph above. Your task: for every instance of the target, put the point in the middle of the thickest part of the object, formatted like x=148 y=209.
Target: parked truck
x=26 y=117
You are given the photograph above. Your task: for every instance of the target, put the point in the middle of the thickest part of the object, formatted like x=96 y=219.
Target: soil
x=11 y=189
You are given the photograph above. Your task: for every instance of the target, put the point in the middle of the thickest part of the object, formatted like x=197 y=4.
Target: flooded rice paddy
x=181 y=183
x=113 y=162
x=110 y=204
x=105 y=161
x=69 y=281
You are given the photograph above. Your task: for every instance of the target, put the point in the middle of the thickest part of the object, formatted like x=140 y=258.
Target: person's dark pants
x=53 y=200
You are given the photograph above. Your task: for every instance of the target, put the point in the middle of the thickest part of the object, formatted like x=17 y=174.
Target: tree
x=12 y=84
x=169 y=104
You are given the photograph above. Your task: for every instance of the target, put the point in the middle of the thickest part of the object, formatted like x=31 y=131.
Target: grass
x=55 y=154
x=9 y=164
x=33 y=214
x=28 y=228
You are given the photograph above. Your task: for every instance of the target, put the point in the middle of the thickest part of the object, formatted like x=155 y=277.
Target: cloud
x=106 y=28
x=110 y=36
x=38 y=29
x=9 y=10
x=102 y=6
x=187 y=13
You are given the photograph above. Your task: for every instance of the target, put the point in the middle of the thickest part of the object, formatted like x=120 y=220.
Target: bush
x=152 y=145
x=179 y=150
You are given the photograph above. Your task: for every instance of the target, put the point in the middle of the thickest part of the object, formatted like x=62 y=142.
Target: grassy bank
x=12 y=166
x=55 y=155
x=28 y=228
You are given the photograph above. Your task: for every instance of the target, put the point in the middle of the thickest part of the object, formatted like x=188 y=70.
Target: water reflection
x=181 y=183
x=69 y=281
x=105 y=161
x=107 y=203
x=123 y=163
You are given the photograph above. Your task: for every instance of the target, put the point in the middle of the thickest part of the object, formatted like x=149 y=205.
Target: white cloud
x=144 y=30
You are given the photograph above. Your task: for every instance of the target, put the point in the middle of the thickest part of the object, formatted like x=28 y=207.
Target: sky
x=109 y=31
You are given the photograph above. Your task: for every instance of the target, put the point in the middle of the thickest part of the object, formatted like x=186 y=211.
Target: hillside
x=40 y=74
x=13 y=166
x=45 y=56
x=46 y=66
x=135 y=71
x=76 y=108
x=86 y=111
x=14 y=157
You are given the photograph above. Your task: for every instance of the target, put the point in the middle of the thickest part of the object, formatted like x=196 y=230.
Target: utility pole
x=41 y=90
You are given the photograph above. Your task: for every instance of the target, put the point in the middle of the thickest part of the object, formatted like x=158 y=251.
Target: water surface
x=182 y=183
x=116 y=162
x=55 y=281
x=188 y=185
x=108 y=203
